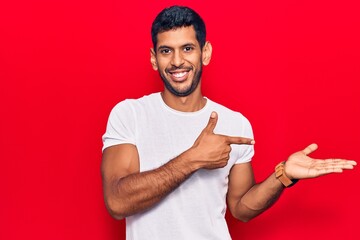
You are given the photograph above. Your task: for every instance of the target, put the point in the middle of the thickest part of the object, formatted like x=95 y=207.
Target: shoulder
x=227 y=113
x=231 y=122
x=136 y=104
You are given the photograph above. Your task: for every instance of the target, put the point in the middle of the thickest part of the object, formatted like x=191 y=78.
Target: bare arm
x=128 y=191
x=246 y=199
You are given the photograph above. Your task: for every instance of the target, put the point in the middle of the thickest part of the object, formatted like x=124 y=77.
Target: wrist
x=187 y=158
x=282 y=177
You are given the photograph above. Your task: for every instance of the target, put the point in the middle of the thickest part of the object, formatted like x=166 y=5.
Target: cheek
x=194 y=60
x=162 y=64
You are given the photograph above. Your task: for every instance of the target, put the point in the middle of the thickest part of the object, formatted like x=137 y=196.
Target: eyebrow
x=184 y=45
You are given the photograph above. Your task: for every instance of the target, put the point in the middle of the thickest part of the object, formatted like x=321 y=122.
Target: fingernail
x=252 y=142
x=213 y=114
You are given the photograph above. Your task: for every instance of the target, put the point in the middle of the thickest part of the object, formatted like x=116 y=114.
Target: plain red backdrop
x=291 y=67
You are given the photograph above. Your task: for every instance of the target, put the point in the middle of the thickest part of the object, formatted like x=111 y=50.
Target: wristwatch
x=280 y=174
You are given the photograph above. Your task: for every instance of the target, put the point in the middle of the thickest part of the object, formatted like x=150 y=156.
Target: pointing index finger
x=239 y=140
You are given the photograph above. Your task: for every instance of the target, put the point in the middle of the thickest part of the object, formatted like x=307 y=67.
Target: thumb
x=212 y=122
x=309 y=149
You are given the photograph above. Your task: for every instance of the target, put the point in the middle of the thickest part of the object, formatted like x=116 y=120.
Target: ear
x=153 y=59
x=206 y=53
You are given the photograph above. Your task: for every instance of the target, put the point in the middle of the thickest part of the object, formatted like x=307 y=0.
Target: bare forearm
x=259 y=198
x=140 y=191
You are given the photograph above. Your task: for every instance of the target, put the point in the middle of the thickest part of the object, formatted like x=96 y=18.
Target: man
x=173 y=161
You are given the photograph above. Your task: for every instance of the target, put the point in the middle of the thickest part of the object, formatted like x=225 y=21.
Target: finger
x=309 y=149
x=212 y=122
x=340 y=163
x=335 y=161
x=239 y=140
x=339 y=160
x=329 y=170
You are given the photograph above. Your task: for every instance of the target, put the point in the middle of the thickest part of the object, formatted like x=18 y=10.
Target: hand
x=300 y=165
x=213 y=150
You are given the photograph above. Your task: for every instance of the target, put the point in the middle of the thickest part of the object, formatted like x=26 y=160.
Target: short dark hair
x=176 y=17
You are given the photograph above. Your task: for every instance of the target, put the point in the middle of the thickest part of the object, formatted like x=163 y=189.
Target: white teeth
x=179 y=75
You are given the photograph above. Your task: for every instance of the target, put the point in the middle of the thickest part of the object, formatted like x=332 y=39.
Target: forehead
x=177 y=37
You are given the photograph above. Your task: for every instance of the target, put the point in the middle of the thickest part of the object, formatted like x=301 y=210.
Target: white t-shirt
x=196 y=209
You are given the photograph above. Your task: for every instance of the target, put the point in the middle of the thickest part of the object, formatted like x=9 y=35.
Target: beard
x=182 y=92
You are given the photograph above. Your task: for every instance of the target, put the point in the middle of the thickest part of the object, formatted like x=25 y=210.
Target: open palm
x=299 y=165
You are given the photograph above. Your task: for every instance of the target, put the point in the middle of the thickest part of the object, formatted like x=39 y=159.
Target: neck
x=191 y=103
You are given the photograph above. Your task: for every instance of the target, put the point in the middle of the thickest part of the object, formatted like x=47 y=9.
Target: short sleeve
x=246 y=152
x=120 y=127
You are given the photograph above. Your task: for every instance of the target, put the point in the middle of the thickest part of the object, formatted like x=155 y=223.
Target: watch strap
x=281 y=176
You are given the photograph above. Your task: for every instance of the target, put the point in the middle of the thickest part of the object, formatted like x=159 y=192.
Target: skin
x=127 y=191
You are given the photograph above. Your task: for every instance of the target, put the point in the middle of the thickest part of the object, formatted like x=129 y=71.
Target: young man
x=173 y=161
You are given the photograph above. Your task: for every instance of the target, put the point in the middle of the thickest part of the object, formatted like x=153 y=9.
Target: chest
x=161 y=138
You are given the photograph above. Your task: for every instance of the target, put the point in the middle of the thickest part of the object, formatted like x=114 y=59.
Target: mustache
x=174 y=68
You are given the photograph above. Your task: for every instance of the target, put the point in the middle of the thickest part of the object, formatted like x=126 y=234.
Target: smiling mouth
x=179 y=75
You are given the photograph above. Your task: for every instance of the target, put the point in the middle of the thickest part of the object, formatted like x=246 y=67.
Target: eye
x=165 y=51
x=188 y=48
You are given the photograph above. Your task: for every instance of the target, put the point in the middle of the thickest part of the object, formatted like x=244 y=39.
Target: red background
x=291 y=67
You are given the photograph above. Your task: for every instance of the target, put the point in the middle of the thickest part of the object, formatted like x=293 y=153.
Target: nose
x=177 y=59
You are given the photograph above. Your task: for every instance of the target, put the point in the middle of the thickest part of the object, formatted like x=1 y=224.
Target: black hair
x=176 y=17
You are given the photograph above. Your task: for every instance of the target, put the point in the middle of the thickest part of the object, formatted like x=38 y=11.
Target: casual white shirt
x=196 y=209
